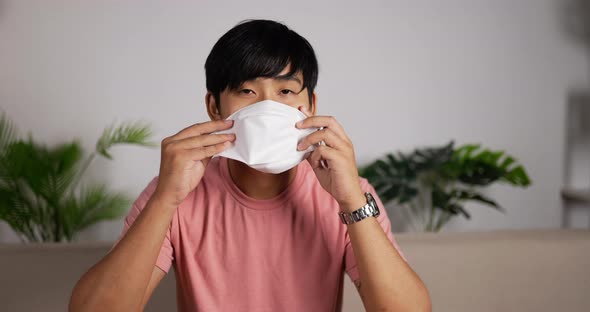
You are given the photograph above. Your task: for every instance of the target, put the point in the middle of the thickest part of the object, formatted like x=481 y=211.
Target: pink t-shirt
x=234 y=253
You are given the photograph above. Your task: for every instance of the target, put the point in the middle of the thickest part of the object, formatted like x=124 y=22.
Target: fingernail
x=298 y=124
x=229 y=122
x=300 y=146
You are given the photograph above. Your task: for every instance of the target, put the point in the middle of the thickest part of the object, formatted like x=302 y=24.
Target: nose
x=267 y=94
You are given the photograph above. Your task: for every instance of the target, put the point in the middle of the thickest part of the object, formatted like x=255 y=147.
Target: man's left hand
x=340 y=177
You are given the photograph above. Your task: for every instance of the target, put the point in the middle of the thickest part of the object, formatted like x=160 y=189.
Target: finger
x=209 y=151
x=323 y=121
x=316 y=161
x=203 y=140
x=328 y=136
x=323 y=153
x=203 y=128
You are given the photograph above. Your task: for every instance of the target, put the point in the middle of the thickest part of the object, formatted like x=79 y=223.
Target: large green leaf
x=8 y=133
x=446 y=202
x=106 y=206
x=392 y=177
x=469 y=195
x=517 y=176
x=485 y=167
x=425 y=159
x=95 y=203
x=128 y=133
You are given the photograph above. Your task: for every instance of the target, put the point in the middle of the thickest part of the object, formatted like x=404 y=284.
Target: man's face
x=283 y=89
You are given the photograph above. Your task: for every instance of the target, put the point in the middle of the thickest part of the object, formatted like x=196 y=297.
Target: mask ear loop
x=323 y=162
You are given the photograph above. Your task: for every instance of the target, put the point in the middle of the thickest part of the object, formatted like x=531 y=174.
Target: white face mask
x=266 y=137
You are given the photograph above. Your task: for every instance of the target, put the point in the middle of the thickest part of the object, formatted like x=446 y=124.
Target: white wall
x=396 y=74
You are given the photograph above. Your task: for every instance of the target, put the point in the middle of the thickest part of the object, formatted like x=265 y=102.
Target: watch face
x=371 y=200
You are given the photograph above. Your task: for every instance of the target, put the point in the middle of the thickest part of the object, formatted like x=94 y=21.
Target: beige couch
x=541 y=270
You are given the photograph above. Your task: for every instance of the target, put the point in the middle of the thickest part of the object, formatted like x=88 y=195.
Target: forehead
x=282 y=76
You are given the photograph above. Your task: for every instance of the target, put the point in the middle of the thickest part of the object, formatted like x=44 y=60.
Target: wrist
x=353 y=203
x=160 y=199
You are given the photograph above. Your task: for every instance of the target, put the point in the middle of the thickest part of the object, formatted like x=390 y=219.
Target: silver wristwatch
x=369 y=210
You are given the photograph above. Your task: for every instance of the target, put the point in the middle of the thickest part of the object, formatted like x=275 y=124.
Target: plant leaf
x=517 y=176
x=94 y=204
x=465 y=195
x=136 y=133
x=8 y=132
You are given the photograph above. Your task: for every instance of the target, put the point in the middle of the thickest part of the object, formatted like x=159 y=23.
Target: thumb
x=205 y=161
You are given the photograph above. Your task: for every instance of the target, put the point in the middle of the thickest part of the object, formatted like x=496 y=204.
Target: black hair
x=259 y=48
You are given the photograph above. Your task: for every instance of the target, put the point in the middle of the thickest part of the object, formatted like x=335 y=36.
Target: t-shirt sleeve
x=350 y=264
x=166 y=255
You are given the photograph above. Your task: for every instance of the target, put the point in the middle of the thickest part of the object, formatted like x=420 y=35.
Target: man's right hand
x=125 y=278
x=185 y=156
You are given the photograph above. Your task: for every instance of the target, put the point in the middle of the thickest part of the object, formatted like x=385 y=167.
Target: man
x=241 y=239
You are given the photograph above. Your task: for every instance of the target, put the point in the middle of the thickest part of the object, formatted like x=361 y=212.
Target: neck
x=256 y=184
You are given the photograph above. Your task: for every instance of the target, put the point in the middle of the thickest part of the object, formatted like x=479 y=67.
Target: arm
x=386 y=281
x=120 y=280
x=157 y=276
x=125 y=278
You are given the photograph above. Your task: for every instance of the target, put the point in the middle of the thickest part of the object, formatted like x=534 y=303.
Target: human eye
x=287 y=92
x=246 y=91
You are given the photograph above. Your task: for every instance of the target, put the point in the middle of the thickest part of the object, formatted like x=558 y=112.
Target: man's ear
x=312 y=108
x=212 y=109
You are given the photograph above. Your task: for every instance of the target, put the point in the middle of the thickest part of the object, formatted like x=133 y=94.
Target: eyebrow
x=284 y=78
x=289 y=78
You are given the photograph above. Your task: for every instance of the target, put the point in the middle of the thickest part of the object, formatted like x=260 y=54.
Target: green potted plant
x=432 y=185
x=41 y=197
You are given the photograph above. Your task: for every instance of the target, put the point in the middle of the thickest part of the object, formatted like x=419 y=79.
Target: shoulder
x=366 y=185
x=147 y=192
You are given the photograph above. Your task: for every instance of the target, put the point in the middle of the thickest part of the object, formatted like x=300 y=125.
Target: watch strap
x=368 y=210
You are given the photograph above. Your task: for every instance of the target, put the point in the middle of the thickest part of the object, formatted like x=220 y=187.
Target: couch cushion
x=534 y=270
x=539 y=270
